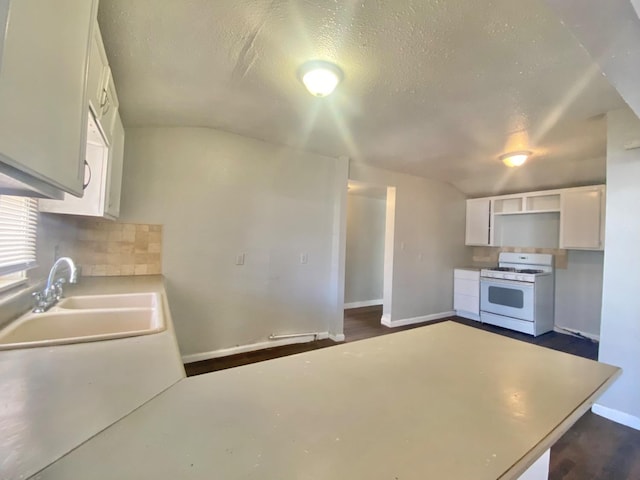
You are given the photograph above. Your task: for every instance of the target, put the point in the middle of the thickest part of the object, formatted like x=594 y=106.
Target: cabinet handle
x=108 y=106
x=87 y=168
x=103 y=97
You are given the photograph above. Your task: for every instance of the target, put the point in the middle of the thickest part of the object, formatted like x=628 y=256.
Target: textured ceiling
x=437 y=88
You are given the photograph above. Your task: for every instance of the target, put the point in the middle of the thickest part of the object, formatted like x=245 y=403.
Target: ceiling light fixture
x=320 y=78
x=515 y=159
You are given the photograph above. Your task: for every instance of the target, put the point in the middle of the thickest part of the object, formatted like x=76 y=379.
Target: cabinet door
x=478 y=218
x=581 y=219
x=92 y=203
x=109 y=108
x=43 y=89
x=466 y=303
x=97 y=76
x=116 y=163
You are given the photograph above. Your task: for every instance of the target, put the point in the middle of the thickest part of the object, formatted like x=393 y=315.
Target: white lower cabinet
x=466 y=293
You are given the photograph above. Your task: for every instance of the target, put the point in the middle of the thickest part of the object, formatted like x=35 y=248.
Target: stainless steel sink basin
x=87 y=319
x=133 y=300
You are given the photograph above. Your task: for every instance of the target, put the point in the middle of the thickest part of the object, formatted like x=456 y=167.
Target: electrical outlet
x=304 y=258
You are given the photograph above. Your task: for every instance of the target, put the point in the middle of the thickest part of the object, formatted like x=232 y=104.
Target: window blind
x=18 y=224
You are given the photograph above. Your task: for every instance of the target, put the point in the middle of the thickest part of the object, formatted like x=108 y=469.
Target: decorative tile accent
x=490 y=254
x=104 y=248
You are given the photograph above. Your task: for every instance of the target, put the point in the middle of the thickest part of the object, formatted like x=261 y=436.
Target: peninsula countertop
x=445 y=401
x=54 y=398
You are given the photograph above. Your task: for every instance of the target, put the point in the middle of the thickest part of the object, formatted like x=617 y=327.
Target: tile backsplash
x=104 y=248
x=489 y=255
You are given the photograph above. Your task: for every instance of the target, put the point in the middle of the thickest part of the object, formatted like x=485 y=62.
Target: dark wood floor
x=593 y=449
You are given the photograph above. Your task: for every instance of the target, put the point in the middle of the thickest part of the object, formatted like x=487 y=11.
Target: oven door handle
x=506 y=283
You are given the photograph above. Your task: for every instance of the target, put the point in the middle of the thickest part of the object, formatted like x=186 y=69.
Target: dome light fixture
x=515 y=159
x=321 y=78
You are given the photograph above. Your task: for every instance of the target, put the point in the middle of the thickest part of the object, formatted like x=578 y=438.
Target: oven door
x=508 y=298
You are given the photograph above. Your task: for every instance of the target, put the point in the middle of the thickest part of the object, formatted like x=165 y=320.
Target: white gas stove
x=519 y=293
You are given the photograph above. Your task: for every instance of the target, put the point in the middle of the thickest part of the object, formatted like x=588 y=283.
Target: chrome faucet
x=52 y=292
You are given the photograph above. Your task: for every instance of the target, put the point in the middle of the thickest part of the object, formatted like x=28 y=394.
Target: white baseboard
x=386 y=320
x=337 y=337
x=366 y=303
x=616 y=416
x=225 y=352
x=576 y=333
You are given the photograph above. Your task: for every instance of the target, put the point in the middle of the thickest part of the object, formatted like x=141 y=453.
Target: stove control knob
x=509 y=276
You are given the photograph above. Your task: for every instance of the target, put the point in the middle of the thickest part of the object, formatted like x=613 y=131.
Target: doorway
x=368 y=255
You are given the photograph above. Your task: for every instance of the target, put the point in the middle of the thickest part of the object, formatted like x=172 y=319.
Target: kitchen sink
x=86 y=319
x=133 y=300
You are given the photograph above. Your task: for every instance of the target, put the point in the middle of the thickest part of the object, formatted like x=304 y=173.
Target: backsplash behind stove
x=489 y=255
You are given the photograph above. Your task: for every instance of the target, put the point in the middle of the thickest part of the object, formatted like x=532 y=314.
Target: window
x=18 y=223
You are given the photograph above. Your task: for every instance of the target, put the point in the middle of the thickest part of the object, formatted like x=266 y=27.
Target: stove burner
x=503 y=269
x=528 y=270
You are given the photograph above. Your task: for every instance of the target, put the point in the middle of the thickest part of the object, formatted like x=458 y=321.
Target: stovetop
x=520 y=267
x=515 y=270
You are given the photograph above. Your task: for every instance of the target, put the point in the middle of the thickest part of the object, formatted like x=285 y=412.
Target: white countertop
x=475 y=268
x=54 y=398
x=443 y=401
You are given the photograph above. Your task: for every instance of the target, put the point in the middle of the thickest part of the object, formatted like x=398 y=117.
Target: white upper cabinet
x=570 y=218
x=102 y=180
x=478 y=221
x=98 y=73
x=114 y=175
x=109 y=108
x=103 y=100
x=103 y=162
x=582 y=219
x=43 y=101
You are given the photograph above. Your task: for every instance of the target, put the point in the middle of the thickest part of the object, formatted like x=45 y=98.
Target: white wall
x=579 y=293
x=219 y=195
x=365 y=249
x=428 y=243
x=620 y=330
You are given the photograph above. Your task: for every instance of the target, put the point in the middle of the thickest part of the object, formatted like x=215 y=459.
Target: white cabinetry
x=98 y=72
x=103 y=100
x=582 y=220
x=114 y=174
x=103 y=178
x=466 y=293
x=43 y=99
x=478 y=221
x=109 y=109
x=105 y=145
x=570 y=218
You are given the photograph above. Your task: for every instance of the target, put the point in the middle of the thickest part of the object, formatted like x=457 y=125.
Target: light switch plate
x=240 y=259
